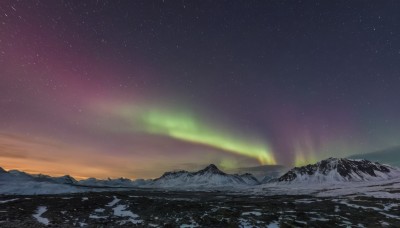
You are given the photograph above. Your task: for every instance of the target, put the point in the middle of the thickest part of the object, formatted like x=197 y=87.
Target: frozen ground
x=163 y=208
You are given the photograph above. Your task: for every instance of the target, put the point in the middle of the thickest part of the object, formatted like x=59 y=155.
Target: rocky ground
x=155 y=208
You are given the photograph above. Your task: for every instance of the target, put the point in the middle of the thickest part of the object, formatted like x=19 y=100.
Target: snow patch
x=274 y=224
x=256 y=213
x=38 y=215
x=6 y=201
x=121 y=211
x=112 y=203
x=92 y=216
x=99 y=210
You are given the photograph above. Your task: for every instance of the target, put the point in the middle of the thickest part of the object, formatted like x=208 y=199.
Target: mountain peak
x=211 y=169
x=68 y=179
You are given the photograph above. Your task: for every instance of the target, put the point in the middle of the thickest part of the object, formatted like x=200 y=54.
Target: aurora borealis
x=186 y=127
x=135 y=88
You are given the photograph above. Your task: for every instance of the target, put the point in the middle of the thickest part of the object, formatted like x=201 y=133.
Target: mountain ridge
x=339 y=170
x=209 y=176
x=324 y=171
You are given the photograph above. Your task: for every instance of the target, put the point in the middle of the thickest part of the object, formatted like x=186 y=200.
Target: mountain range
x=326 y=171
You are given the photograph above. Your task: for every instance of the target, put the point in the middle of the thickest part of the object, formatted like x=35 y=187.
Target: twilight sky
x=135 y=88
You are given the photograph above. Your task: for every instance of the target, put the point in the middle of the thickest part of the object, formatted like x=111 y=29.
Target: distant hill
x=261 y=172
x=390 y=156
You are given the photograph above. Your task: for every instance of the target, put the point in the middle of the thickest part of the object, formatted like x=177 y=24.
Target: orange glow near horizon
x=35 y=155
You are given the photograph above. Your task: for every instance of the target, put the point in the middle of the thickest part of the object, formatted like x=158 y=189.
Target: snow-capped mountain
x=18 y=175
x=22 y=176
x=340 y=170
x=210 y=176
x=18 y=182
x=21 y=183
x=66 y=179
x=119 y=182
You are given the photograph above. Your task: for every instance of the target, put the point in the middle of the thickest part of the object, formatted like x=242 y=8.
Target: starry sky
x=135 y=88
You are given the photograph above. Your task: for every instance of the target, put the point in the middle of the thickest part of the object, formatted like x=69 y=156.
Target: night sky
x=136 y=88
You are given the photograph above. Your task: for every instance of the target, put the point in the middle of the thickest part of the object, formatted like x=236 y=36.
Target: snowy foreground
x=167 y=208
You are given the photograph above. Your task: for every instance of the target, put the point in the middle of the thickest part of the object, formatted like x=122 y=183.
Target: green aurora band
x=185 y=127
